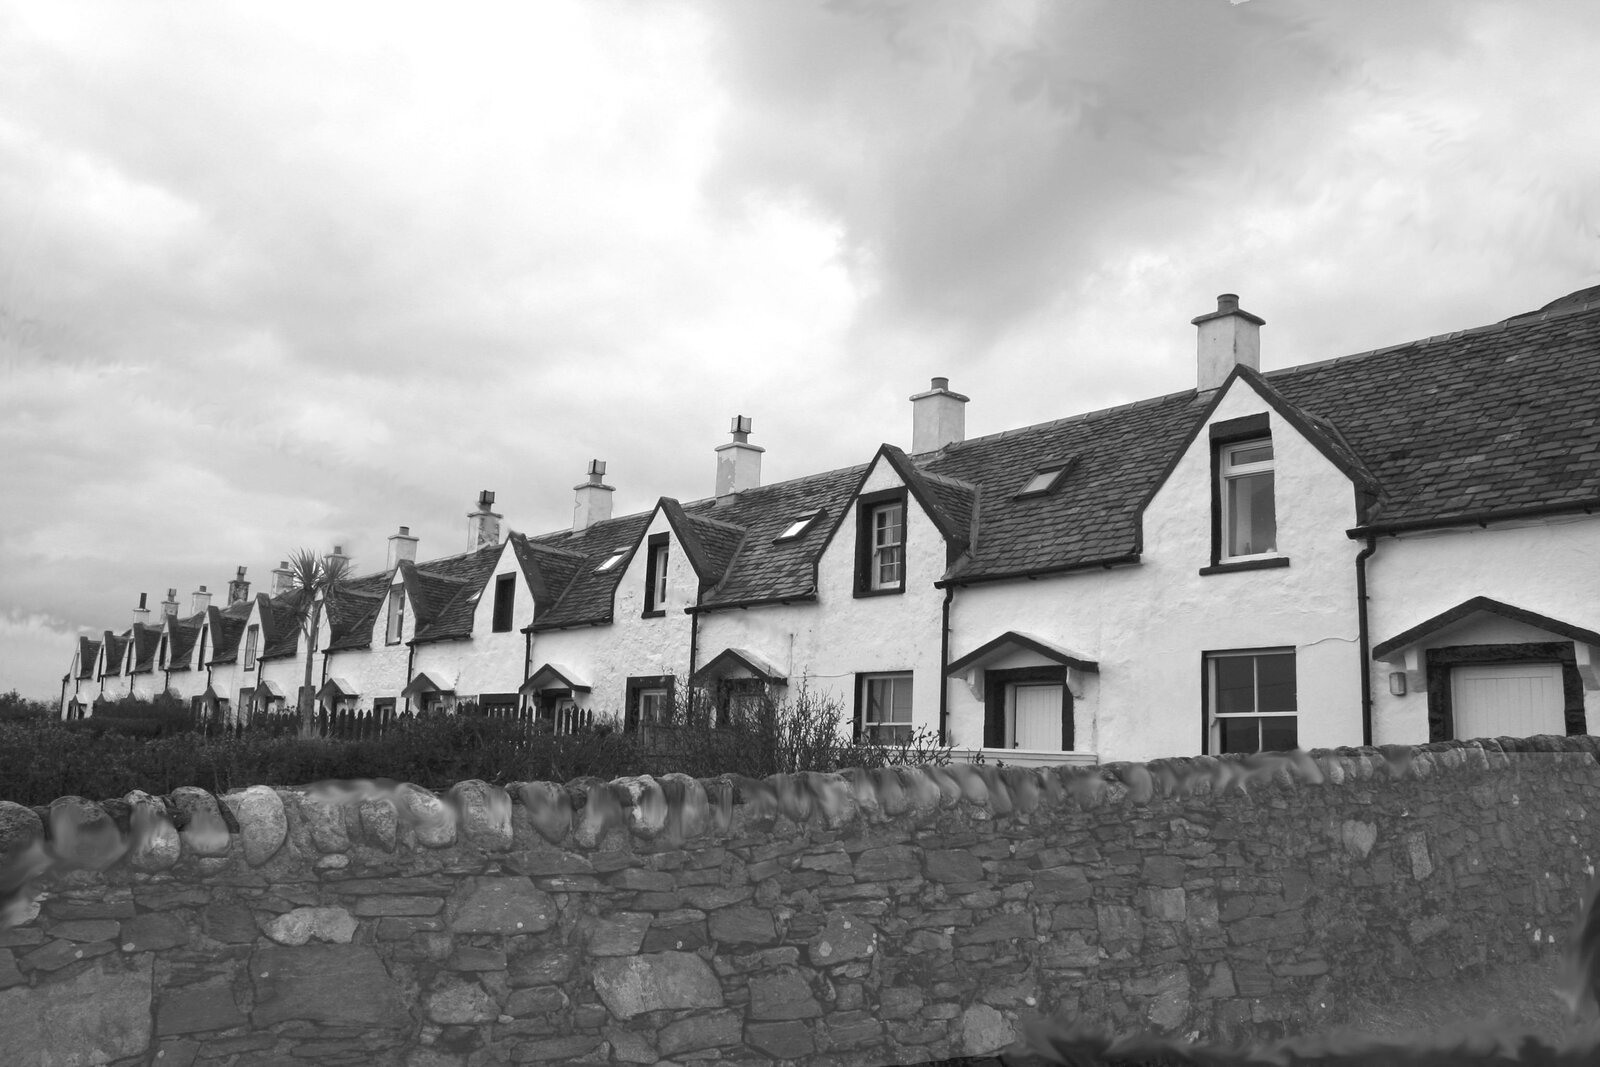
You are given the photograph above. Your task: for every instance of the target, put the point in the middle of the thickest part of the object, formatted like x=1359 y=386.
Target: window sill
x=1246 y=565
x=656 y=613
x=863 y=593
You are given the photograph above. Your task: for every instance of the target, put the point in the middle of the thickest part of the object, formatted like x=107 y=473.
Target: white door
x=1507 y=700
x=1036 y=717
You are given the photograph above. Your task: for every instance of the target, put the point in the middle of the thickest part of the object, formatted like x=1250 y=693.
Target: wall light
x=1397 y=683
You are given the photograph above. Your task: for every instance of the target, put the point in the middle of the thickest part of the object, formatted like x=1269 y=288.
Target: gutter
x=1040 y=572
x=1471 y=518
x=729 y=605
x=1364 y=637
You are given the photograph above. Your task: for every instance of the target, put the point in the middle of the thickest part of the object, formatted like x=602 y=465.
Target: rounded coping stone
x=380 y=821
x=1136 y=777
x=484 y=811
x=205 y=833
x=20 y=829
x=834 y=798
x=601 y=813
x=885 y=787
x=429 y=817
x=324 y=819
x=688 y=808
x=920 y=789
x=156 y=846
x=83 y=835
x=548 y=807
x=1024 y=786
x=647 y=805
x=263 y=823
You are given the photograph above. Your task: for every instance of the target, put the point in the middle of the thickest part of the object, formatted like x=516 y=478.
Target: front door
x=1507 y=700
x=1035 y=717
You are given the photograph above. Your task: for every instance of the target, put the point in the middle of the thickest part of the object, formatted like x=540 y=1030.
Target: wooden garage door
x=1507 y=700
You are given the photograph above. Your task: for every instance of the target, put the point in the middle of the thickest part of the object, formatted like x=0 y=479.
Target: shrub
x=14 y=707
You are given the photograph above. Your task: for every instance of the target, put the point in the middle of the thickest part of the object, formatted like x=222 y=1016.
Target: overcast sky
x=277 y=275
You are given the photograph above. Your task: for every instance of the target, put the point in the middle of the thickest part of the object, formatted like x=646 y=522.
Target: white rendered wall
x=1550 y=567
x=487 y=662
x=1148 y=625
x=828 y=643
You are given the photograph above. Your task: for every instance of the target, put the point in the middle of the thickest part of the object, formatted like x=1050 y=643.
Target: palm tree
x=320 y=582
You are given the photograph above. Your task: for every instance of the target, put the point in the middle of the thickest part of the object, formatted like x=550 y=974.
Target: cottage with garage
x=1390 y=547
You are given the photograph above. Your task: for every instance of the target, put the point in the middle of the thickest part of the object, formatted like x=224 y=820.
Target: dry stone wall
x=878 y=917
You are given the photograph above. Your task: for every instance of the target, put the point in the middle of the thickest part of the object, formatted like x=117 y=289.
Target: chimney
x=738 y=461
x=238 y=589
x=200 y=601
x=483 y=525
x=282 y=579
x=1229 y=337
x=169 y=606
x=337 y=553
x=141 y=614
x=938 y=418
x=593 y=503
x=402 y=546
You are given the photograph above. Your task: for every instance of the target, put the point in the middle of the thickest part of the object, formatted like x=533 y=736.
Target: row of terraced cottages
x=1388 y=547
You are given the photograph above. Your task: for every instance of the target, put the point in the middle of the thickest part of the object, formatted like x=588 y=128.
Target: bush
x=14 y=707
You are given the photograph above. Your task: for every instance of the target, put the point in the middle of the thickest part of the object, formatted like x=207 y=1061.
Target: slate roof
x=114 y=645
x=455 y=585
x=88 y=653
x=184 y=634
x=587 y=597
x=281 y=635
x=146 y=640
x=352 y=617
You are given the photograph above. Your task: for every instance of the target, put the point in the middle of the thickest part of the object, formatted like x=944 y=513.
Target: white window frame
x=658 y=563
x=1227 y=472
x=611 y=561
x=877 y=729
x=252 y=636
x=1214 y=717
x=654 y=704
x=395 y=625
x=886 y=553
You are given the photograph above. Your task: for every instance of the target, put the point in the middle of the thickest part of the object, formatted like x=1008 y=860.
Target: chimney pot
x=169 y=606
x=592 y=500
x=142 y=598
x=738 y=461
x=1228 y=337
x=938 y=417
x=141 y=614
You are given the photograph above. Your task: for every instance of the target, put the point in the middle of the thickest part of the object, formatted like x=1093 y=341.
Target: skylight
x=1045 y=479
x=797 y=527
x=611 y=561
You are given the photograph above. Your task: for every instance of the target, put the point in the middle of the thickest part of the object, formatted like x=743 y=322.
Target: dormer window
x=798 y=528
x=881 y=543
x=397 y=615
x=251 y=637
x=611 y=561
x=1249 y=516
x=655 y=576
x=505 y=595
x=1044 y=479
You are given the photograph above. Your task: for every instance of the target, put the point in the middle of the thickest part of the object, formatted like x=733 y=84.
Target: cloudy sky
x=277 y=274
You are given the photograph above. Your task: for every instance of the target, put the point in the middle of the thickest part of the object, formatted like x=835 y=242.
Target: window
x=251 y=636
x=1249 y=519
x=161 y=653
x=883 y=710
x=655 y=575
x=505 y=594
x=1250 y=701
x=1045 y=479
x=611 y=561
x=397 y=614
x=798 y=527
x=649 y=702
x=881 y=543
x=205 y=635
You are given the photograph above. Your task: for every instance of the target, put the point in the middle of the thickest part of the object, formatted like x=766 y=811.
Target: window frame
x=504 y=610
x=658 y=556
x=1055 y=471
x=394 y=627
x=868 y=505
x=252 y=637
x=640 y=686
x=1226 y=435
x=863 y=728
x=798 y=528
x=1211 y=731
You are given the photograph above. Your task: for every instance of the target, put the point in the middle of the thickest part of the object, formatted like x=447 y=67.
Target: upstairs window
x=798 y=527
x=655 y=575
x=881 y=543
x=1251 y=701
x=251 y=637
x=1249 y=515
x=397 y=615
x=205 y=636
x=505 y=594
x=161 y=653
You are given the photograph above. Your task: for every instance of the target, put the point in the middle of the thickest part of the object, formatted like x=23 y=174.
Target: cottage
x=1391 y=547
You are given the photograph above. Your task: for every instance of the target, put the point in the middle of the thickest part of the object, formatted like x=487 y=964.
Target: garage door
x=1507 y=700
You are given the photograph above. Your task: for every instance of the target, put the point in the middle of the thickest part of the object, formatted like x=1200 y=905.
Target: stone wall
x=865 y=918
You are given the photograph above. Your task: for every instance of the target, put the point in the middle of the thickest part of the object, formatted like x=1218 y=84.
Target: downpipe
x=1364 y=637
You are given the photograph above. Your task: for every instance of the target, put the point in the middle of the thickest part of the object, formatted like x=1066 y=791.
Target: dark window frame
x=505 y=599
x=636 y=686
x=1438 y=661
x=997 y=683
x=1224 y=435
x=867 y=506
x=1208 y=656
x=657 y=557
